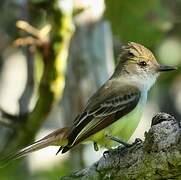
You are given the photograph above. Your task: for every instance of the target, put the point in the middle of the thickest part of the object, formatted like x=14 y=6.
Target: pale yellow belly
x=122 y=128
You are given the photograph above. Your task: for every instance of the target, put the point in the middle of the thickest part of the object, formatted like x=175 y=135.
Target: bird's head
x=139 y=62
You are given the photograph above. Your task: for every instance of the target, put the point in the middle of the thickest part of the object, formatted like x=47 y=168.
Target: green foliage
x=14 y=171
x=137 y=20
x=55 y=172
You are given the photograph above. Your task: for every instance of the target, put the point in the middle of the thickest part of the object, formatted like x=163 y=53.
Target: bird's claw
x=136 y=144
x=137 y=141
x=106 y=154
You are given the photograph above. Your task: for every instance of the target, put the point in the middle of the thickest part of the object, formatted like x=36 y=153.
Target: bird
x=114 y=110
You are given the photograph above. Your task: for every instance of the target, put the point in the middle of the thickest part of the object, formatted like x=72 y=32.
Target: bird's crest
x=134 y=50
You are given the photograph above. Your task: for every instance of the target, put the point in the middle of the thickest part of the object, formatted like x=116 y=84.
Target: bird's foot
x=126 y=147
x=106 y=154
x=135 y=145
x=118 y=140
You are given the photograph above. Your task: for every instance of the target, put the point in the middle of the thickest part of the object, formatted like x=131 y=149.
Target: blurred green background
x=55 y=53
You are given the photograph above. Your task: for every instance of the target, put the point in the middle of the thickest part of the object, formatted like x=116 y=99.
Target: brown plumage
x=135 y=50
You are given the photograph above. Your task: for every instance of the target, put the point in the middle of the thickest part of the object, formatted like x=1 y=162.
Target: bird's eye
x=142 y=63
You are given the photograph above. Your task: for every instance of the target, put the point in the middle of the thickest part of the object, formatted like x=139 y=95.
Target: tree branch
x=53 y=50
x=158 y=157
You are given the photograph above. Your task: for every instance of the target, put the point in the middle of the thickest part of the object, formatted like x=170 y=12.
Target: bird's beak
x=164 y=68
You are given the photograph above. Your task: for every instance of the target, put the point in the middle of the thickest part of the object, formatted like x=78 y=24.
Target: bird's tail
x=56 y=138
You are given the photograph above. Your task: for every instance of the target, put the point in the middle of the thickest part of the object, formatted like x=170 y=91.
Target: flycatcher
x=114 y=110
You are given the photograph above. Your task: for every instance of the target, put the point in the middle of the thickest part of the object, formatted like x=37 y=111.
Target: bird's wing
x=107 y=105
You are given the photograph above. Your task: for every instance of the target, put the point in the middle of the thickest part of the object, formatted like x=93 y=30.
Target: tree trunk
x=90 y=63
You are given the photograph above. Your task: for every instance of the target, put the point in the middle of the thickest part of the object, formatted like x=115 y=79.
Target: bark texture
x=158 y=157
